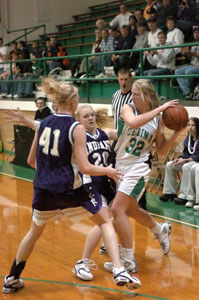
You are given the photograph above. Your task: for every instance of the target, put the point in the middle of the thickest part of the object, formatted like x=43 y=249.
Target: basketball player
x=51 y=151
x=139 y=126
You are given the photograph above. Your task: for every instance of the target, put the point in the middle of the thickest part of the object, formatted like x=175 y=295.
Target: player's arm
x=17 y=117
x=33 y=151
x=134 y=121
x=162 y=144
x=83 y=164
x=111 y=133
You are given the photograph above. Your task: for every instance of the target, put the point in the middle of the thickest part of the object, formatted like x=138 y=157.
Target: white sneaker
x=122 y=278
x=16 y=96
x=129 y=265
x=196 y=207
x=12 y=285
x=101 y=75
x=189 y=204
x=163 y=237
x=82 y=269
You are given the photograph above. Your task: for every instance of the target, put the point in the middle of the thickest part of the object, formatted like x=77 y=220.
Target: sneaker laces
x=90 y=264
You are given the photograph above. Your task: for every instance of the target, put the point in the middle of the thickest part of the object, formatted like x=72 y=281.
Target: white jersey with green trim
x=134 y=145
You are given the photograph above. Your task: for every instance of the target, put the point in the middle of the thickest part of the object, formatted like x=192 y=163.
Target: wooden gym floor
x=48 y=273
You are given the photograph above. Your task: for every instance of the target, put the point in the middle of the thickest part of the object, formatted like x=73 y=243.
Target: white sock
x=127 y=252
x=156 y=229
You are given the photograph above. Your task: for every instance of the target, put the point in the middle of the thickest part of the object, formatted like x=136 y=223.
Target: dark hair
x=141 y=23
x=22 y=43
x=196 y=122
x=171 y=18
x=41 y=98
x=1 y=39
x=113 y=28
x=162 y=32
x=124 y=71
x=133 y=17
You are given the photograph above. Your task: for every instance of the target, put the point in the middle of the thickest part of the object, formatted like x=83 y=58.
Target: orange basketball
x=175 y=117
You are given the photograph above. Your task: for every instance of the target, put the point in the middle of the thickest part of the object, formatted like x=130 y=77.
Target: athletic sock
x=156 y=229
x=127 y=252
x=16 y=269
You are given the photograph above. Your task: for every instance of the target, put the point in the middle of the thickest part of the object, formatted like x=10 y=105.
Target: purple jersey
x=98 y=151
x=54 y=152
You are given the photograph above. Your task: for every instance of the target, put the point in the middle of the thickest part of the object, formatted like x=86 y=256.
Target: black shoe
x=180 y=201
x=167 y=197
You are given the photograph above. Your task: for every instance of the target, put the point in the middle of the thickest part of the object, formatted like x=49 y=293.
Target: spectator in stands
x=174 y=35
x=104 y=60
x=152 y=42
x=153 y=32
x=141 y=42
x=125 y=42
x=25 y=88
x=151 y=9
x=91 y=59
x=46 y=49
x=122 y=18
x=163 y=59
x=43 y=111
x=36 y=49
x=186 y=17
x=133 y=28
x=187 y=84
x=3 y=55
x=14 y=50
x=52 y=52
x=193 y=188
x=168 y=8
x=184 y=163
x=100 y=24
x=5 y=87
x=115 y=33
x=23 y=49
x=138 y=13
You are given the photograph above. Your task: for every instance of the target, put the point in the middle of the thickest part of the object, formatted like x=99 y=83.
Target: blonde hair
x=101 y=114
x=102 y=21
x=146 y=88
x=62 y=91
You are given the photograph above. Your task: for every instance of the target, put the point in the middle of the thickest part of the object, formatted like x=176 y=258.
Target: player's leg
x=12 y=281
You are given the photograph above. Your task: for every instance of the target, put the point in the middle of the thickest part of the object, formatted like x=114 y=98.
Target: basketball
x=175 y=117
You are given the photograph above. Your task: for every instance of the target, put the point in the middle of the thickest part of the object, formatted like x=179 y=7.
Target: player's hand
x=114 y=173
x=169 y=104
x=14 y=116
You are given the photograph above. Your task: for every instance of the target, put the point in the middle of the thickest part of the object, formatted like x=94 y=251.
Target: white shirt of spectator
x=121 y=19
x=153 y=38
x=175 y=37
x=3 y=51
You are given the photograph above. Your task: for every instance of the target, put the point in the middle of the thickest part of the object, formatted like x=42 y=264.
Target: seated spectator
x=174 y=35
x=163 y=59
x=6 y=87
x=138 y=13
x=14 y=50
x=23 y=49
x=125 y=42
x=184 y=163
x=153 y=32
x=122 y=18
x=46 y=49
x=91 y=59
x=25 y=88
x=115 y=34
x=168 y=8
x=52 y=52
x=151 y=9
x=133 y=28
x=43 y=110
x=3 y=55
x=193 y=188
x=141 y=42
x=104 y=60
x=186 y=17
x=100 y=24
x=36 y=49
x=187 y=84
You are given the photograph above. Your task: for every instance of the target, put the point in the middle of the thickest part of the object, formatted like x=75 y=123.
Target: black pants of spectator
x=122 y=62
